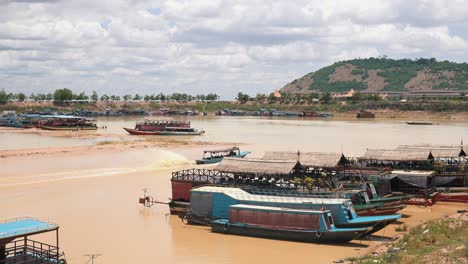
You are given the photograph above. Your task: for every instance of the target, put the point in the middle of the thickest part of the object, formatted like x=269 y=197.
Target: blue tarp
x=24 y=226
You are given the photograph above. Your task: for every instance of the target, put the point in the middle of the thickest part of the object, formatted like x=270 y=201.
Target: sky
x=212 y=46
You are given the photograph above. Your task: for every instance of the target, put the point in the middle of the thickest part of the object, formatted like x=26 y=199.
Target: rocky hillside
x=383 y=74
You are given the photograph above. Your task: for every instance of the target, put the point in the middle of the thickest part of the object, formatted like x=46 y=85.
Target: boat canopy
x=258 y=166
x=20 y=227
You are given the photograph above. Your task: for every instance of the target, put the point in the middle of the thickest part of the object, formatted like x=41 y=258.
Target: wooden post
x=57 y=243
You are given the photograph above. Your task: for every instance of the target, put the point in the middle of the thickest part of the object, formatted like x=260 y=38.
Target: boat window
x=330 y=219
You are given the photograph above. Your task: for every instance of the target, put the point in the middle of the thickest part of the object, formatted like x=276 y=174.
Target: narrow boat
x=285 y=223
x=419 y=123
x=67 y=123
x=213 y=203
x=359 y=198
x=168 y=131
x=215 y=156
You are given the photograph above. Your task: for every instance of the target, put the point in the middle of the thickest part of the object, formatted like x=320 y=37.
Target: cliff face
x=382 y=74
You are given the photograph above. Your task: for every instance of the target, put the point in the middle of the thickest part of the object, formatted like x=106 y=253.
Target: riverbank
x=442 y=110
x=441 y=241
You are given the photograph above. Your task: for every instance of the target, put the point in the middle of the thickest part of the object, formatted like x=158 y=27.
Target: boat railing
x=200 y=175
x=30 y=251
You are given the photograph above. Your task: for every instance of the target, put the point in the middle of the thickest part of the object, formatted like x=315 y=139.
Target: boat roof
x=277 y=209
x=257 y=166
x=19 y=227
x=412 y=173
x=221 y=150
x=309 y=159
x=241 y=195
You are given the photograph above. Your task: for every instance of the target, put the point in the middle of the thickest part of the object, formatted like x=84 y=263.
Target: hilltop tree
x=95 y=96
x=243 y=98
x=3 y=97
x=127 y=97
x=137 y=97
x=21 y=97
x=105 y=97
x=63 y=95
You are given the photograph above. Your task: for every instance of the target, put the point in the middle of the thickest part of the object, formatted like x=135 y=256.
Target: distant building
x=347 y=95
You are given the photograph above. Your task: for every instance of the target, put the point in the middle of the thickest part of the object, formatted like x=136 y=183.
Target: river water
x=94 y=196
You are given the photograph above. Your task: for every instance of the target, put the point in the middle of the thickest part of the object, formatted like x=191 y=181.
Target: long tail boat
x=286 y=224
x=168 y=131
x=215 y=156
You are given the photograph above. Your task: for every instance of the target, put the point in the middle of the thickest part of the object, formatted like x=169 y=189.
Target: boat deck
x=24 y=226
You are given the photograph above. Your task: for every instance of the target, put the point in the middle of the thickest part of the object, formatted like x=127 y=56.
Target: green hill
x=383 y=74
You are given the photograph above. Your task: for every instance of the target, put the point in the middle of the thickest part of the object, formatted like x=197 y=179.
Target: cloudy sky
x=136 y=46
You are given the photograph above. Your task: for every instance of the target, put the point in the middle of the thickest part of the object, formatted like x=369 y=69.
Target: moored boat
x=215 y=156
x=213 y=203
x=419 y=123
x=67 y=123
x=285 y=223
x=365 y=114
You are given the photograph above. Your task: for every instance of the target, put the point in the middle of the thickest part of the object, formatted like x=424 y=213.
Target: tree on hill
x=137 y=97
x=243 y=98
x=95 y=96
x=63 y=95
x=3 y=97
x=21 y=97
x=127 y=97
x=105 y=97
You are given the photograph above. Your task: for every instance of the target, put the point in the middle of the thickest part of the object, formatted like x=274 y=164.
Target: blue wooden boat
x=213 y=203
x=215 y=156
x=285 y=223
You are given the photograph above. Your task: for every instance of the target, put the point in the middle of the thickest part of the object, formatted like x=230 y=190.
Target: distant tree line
x=66 y=95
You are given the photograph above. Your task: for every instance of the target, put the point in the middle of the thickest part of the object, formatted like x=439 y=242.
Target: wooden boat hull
x=315 y=236
x=451 y=197
x=419 y=123
x=162 y=133
x=386 y=210
x=71 y=128
x=377 y=223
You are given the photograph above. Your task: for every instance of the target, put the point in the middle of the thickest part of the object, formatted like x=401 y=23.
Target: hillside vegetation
x=383 y=74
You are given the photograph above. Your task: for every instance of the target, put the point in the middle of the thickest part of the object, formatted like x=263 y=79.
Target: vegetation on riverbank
x=211 y=107
x=441 y=241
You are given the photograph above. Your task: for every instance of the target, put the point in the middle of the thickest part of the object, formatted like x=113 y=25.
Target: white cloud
x=204 y=46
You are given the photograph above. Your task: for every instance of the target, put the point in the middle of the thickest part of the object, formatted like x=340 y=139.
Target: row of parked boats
x=48 y=122
x=233 y=199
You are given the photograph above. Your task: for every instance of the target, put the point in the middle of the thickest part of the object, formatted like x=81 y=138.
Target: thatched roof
x=257 y=166
x=309 y=159
x=396 y=154
x=439 y=151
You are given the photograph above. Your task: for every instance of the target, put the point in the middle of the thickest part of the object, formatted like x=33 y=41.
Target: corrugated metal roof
x=241 y=195
x=309 y=159
x=256 y=166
